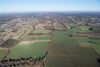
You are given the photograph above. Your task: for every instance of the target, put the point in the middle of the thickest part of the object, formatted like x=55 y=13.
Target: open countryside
x=44 y=40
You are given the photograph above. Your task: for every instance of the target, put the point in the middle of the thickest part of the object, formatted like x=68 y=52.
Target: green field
x=90 y=43
x=3 y=52
x=66 y=51
x=31 y=50
x=41 y=38
x=36 y=49
x=85 y=41
x=61 y=37
x=28 y=38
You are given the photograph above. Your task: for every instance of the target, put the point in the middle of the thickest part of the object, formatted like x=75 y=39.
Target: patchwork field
x=71 y=56
x=30 y=45
x=67 y=51
x=84 y=39
x=39 y=29
x=67 y=48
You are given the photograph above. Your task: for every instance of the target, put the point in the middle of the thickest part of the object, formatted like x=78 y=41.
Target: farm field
x=3 y=52
x=41 y=38
x=30 y=46
x=65 y=51
x=84 y=41
x=41 y=31
x=70 y=48
x=29 y=50
x=72 y=51
x=53 y=44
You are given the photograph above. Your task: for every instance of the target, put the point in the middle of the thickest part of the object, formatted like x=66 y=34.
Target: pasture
x=30 y=46
x=3 y=52
x=67 y=51
x=41 y=37
x=29 y=50
x=85 y=41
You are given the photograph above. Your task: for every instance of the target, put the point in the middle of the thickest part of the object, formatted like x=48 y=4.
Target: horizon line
x=49 y=11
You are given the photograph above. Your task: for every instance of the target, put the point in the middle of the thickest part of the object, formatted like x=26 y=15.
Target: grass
x=37 y=31
x=62 y=38
x=65 y=52
x=90 y=43
x=41 y=38
x=28 y=38
x=85 y=41
x=84 y=28
x=78 y=29
x=3 y=52
x=33 y=50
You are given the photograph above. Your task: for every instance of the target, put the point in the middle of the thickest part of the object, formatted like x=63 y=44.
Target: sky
x=49 y=5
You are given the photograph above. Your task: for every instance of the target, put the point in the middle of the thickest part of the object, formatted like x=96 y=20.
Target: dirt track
x=32 y=42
